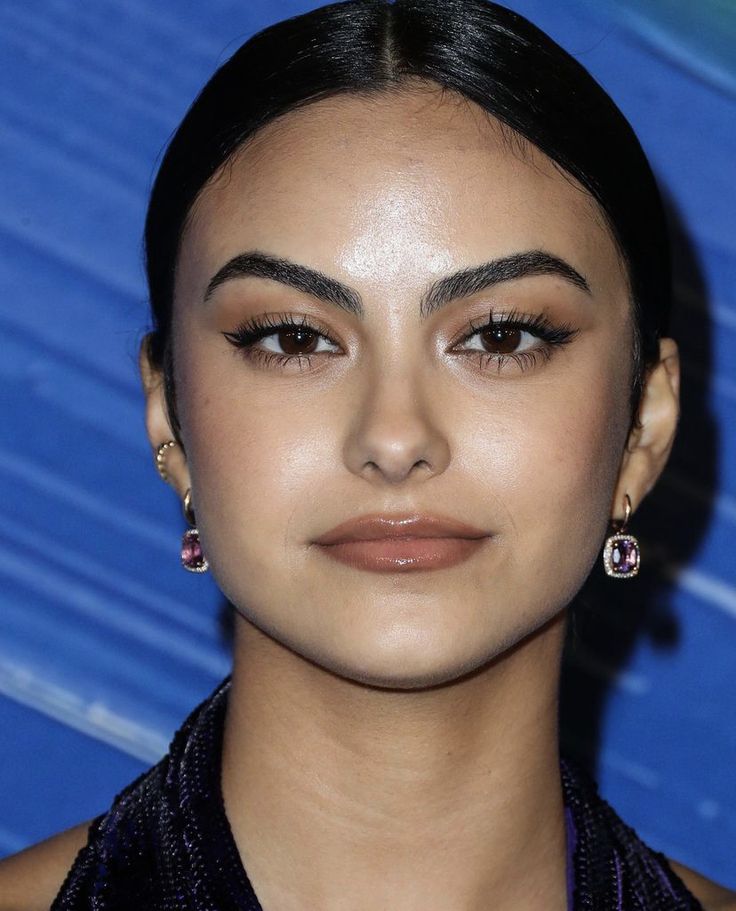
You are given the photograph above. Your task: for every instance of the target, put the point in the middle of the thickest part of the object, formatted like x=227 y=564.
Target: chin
x=412 y=657
x=407 y=661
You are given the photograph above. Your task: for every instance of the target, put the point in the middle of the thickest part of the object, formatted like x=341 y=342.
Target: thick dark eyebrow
x=302 y=278
x=478 y=278
x=441 y=292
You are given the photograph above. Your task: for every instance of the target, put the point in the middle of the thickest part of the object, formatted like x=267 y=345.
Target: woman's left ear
x=649 y=445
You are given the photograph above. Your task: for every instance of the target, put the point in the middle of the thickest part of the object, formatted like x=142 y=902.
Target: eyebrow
x=442 y=291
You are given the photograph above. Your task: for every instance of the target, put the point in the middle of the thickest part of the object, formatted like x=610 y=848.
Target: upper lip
x=376 y=526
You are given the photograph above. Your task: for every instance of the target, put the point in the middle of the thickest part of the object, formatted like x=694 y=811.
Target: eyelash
x=539 y=326
x=253 y=330
x=258 y=327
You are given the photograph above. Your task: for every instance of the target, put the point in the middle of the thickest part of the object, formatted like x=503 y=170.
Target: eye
x=293 y=340
x=517 y=339
x=278 y=339
x=499 y=339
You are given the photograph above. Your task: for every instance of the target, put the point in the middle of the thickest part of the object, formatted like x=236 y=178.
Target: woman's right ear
x=158 y=425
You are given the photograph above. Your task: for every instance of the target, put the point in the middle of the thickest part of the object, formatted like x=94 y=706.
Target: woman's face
x=518 y=432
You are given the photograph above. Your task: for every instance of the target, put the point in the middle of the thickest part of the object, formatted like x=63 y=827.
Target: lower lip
x=392 y=555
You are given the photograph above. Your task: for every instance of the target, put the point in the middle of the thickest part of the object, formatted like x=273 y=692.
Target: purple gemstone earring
x=192 y=555
x=621 y=554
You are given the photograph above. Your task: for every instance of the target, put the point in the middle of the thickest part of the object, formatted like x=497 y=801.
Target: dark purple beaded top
x=166 y=844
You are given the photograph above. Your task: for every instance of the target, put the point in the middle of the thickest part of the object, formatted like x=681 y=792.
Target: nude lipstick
x=401 y=543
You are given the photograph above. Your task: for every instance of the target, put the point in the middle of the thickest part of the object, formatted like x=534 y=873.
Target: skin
x=391 y=739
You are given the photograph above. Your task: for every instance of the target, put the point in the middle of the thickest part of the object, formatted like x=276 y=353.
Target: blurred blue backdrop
x=105 y=644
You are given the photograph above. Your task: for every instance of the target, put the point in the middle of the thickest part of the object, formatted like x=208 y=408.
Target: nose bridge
x=394 y=429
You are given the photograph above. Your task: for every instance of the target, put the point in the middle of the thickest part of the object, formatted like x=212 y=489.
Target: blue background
x=105 y=644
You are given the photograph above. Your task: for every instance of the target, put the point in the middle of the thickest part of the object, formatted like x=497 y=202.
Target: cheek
x=257 y=459
x=562 y=471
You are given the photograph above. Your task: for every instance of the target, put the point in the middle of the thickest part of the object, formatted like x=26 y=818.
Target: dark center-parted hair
x=483 y=51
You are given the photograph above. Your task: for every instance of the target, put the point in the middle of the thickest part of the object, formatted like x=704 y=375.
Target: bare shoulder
x=30 y=879
x=711 y=895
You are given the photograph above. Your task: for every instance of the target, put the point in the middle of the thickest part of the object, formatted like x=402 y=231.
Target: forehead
x=405 y=184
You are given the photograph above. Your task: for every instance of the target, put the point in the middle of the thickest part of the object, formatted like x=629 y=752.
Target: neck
x=434 y=798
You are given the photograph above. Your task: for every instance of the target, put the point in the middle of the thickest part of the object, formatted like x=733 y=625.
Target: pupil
x=294 y=338
x=501 y=339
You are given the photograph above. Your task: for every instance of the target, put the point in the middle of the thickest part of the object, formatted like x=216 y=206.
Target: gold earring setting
x=621 y=552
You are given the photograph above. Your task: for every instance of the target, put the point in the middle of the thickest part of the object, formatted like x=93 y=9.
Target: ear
x=158 y=425
x=649 y=445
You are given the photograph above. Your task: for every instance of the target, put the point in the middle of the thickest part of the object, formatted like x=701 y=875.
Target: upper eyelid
x=270 y=324
x=528 y=323
x=474 y=327
x=513 y=317
x=535 y=325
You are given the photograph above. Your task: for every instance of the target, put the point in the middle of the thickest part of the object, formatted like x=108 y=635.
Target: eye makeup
x=509 y=337
x=505 y=333
x=299 y=331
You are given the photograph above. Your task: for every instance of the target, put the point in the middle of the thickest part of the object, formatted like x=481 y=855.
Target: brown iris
x=296 y=339
x=501 y=339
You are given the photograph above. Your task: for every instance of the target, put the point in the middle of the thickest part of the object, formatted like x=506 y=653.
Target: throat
x=407 y=799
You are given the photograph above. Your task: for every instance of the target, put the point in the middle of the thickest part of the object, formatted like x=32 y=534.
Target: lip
x=377 y=526
x=381 y=543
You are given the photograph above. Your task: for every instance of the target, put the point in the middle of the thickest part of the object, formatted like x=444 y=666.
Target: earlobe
x=650 y=443
x=158 y=425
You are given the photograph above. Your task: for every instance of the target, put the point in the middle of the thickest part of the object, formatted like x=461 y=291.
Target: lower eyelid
x=526 y=354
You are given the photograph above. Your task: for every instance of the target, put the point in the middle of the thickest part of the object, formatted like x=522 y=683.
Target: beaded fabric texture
x=166 y=844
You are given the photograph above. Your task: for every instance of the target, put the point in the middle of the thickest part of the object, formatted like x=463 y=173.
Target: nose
x=394 y=432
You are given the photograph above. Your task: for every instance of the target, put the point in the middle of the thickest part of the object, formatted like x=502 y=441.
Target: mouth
x=402 y=543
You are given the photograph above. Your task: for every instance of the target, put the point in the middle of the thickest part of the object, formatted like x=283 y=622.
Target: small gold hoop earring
x=187 y=508
x=621 y=552
x=161 y=452
x=627 y=514
x=192 y=555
